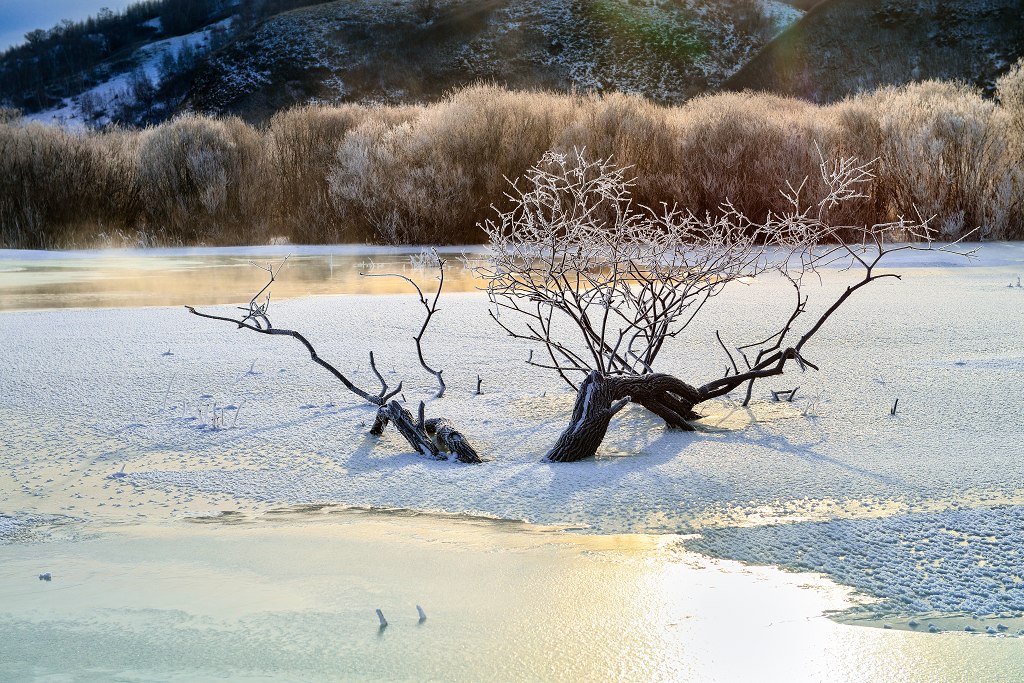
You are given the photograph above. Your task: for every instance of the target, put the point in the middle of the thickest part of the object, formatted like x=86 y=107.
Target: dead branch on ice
x=419 y=433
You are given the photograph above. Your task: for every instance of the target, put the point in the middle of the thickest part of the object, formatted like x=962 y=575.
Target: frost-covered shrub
x=634 y=131
x=739 y=146
x=1010 y=91
x=57 y=187
x=944 y=150
x=365 y=183
x=432 y=176
x=301 y=147
x=196 y=178
x=430 y=173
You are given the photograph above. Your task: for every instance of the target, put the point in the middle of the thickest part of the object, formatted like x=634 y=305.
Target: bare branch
x=376 y=400
x=431 y=309
x=389 y=412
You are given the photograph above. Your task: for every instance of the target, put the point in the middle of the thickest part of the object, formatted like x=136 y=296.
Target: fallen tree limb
x=432 y=437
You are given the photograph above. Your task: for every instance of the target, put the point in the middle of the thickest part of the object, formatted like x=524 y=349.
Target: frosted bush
x=193 y=174
x=430 y=173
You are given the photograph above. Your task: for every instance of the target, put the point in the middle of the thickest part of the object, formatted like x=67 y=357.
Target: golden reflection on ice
x=103 y=281
x=292 y=595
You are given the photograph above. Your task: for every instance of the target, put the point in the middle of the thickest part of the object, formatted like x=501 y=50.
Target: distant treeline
x=429 y=174
x=75 y=55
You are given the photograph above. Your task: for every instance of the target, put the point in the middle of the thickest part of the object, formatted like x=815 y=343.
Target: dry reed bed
x=429 y=174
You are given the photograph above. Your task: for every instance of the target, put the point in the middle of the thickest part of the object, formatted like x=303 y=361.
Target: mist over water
x=117 y=279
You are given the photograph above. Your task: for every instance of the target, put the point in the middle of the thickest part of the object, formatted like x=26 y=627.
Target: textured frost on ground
x=966 y=561
x=205 y=417
x=9 y=526
x=20 y=526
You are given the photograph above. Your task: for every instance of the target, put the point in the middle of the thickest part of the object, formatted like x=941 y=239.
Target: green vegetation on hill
x=667 y=39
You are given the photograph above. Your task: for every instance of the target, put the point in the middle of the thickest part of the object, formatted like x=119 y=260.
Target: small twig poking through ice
x=478 y=383
x=789 y=394
x=237 y=411
x=811 y=404
x=383 y=621
x=893 y=411
x=167 y=393
x=423 y=615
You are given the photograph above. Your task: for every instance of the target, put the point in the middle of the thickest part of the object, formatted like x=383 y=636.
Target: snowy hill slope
x=123 y=91
x=383 y=51
x=400 y=51
x=408 y=51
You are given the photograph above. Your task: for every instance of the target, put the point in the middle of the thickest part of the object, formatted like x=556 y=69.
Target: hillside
x=134 y=66
x=844 y=46
x=163 y=57
x=389 y=51
x=383 y=51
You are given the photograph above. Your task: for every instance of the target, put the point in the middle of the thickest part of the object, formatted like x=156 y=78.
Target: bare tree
x=433 y=437
x=602 y=284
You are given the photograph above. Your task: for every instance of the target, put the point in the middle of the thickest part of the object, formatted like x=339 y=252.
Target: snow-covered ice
x=964 y=561
x=235 y=421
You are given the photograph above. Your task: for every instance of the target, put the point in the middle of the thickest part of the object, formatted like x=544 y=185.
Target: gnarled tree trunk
x=600 y=397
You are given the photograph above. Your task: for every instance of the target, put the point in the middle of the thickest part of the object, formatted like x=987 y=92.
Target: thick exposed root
x=601 y=397
x=408 y=427
x=449 y=439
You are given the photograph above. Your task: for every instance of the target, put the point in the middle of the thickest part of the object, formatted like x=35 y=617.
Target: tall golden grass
x=431 y=173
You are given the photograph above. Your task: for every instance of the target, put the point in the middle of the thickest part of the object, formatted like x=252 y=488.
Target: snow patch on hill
x=97 y=106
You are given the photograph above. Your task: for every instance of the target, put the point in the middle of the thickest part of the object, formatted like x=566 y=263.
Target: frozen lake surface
x=290 y=595
x=118 y=424
x=202 y=276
